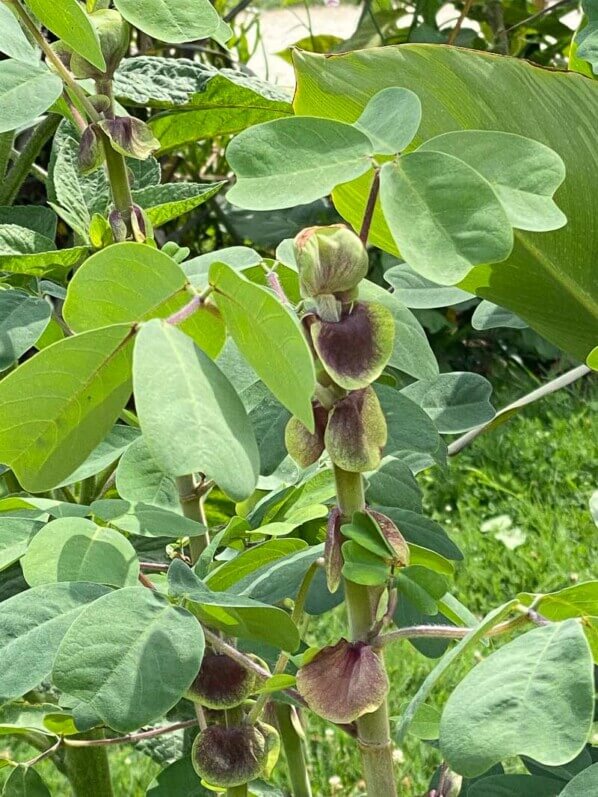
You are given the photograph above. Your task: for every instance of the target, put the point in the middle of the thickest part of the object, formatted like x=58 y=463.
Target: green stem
x=237 y=791
x=20 y=169
x=87 y=492
x=192 y=507
x=293 y=751
x=87 y=768
x=6 y=140
x=118 y=177
x=373 y=730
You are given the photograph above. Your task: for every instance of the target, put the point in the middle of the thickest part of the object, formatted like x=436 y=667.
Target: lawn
x=539 y=471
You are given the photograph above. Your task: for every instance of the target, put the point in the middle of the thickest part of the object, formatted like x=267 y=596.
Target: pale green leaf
x=23 y=318
x=579 y=600
x=145 y=520
x=32 y=625
x=583 y=784
x=26 y=91
x=183 y=21
x=69 y=22
x=515 y=786
x=128 y=658
x=390 y=120
x=108 y=451
x=488 y=315
x=191 y=417
x=57 y=406
x=393 y=485
x=251 y=560
x=25 y=782
x=14 y=43
x=19 y=718
x=534 y=697
x=15 y=535
x=293 y=161
x=270 y=338
x=139 y=478
x=416 y=291
x=40 y=264
x=75 y=549
x=444 y=216
x=455 y=401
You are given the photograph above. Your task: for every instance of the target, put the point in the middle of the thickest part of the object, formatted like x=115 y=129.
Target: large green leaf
x=134 y=282
x=416 y=291
x=234 y=614
x=180 y=779
x=139 y=478
x=583 y=784
x=32 y=625
x=515 y=786
x=455 y=402
x=163 y=203
x=294 y=161
x=118 y=439
x=26 y=91
x=145 y=520
x=270 y=338
x=182 y=21
x=534 y=696
x=69 y=22
x=14 y=43
x=390 y=120
x=75 y=549
x=128 y=658
x=25 y=782
x=443 y=215
x=15 y=534
x=549 y=279
x=23 y=318
x=57 y=407
x=191 y=417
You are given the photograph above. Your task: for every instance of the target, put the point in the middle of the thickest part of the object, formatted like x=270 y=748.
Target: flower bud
x=130 y=136
x=64 y=53
x=343 y=682
x=333 y=558
x=117 y=225
x=114 y=34
x=231 y=756
x=355 y=350
x=221 y=683
x=330 y=260
x=356 y=432
x=303 y=446
x=91 y=151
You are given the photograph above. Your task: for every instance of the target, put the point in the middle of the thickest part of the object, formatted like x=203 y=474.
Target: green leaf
x=116 y=442
x=411 y=351
x=422 y=587
x=430 y=559
x=16 y=240
x=583 y=784
x=390 y=120
x=26 y=91
x=40 y=264
x=585 y=42
x=108 y=659
x=183 y=21
x=425 y=725
x=306 y=159
x=14 y=43
x=25 y=782
x=145 y=520
x=423 y=531
x=232 y=613
x=163 y=203
x=549 y=279
x=23 y=318
x=75 y=549
x=488 y=315
x=139 y=478
x=191 y=417
x=35 y=217
x=69 y=22
x=251 y=560
x=134 y=282
x=178 y=778
x=270 y=338
x=393 y=485
x=456 y=402
x=20 y=718
x=532 y=697
x=515 y=786
x=240 y=258
x=579 y=600
x=59 y=405
x=362 y=566
x=416 y=291
x=32 y=625
x=523 y=173
x=443 y=215
x=365 y=531
x=15 y=535
x=409 y=427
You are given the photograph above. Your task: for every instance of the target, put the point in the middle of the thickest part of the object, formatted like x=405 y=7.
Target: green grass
x=539 y=469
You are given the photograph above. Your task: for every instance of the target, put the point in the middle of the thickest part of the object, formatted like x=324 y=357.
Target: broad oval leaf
x=549 y=279
x=14 y=43
x=75 y=549
x=420 y=293
x=191 y=417
x=108 y=659
x=57 y=407
x=25 y=782
x=23 y=318
x=139 y=478
x=488 y=315
x=26 y=91
x=515 y=786
x=294 y=161
x=183 y=21
x=15 y=535
x=456 y=401
x=583 y=784
x=390 y=120
x=116 y=442
x=251 y=560
x=523 y=173
x=270 y=338
x=443 y=215
x=32 y=625
x=145 y=520
x=532 y=697
x=168 y=201
x=69 y=22
x=135 y=282
x=393 y=485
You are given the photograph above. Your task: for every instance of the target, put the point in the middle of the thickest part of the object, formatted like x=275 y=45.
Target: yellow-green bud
x=331 y=260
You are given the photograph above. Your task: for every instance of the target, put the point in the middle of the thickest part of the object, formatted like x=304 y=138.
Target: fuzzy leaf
x=183 y=21
x=26 y=91
x=23 y=318
x=69 y=22
x=390 y=120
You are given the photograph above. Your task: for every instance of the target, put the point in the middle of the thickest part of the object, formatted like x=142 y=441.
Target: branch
x=186 y=310
x=503 y=415
x=369 y=208
x=457 y=632
x=130 y=737
x=462 y=17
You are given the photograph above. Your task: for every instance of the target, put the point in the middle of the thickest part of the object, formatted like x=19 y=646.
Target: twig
x=456 y=632
x=369 y=208
x=462 y=17
x=130 y=737
x=539 y=14
x=241 y=6
x=146 y=582
x=545 y=390
x=155 y=567
x=186 y=310
x=43 y=754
